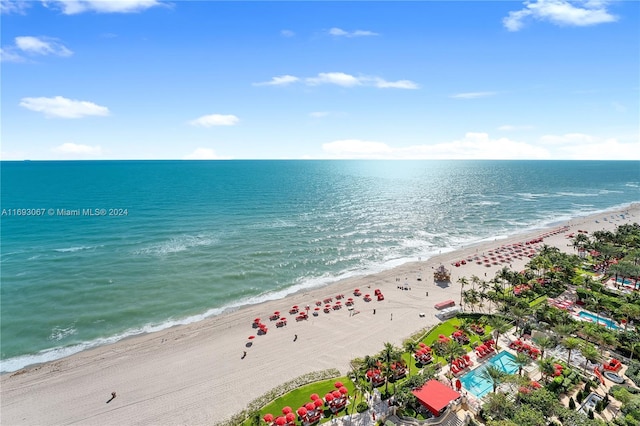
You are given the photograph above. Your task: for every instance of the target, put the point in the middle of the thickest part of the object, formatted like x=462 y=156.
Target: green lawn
x=298 y=397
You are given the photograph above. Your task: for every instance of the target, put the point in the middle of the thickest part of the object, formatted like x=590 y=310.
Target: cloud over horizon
x=78 y=149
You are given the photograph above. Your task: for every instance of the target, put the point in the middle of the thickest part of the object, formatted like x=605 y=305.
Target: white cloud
x=202 y=154
x=281 y=80
x=72 y=7
x=472 y=95
x=215 y=120
x=339 y=78
x=580 y=146
x=60 y=107
x=472 y=146
x=400 y=84
x=560 y=12
x=42 y=46
x=287 y=33
x=339 y=32
x=78 y=149
x=14 y=6
x=8 y=54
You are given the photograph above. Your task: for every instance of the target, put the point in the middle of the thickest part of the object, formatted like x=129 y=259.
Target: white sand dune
x=194 y=374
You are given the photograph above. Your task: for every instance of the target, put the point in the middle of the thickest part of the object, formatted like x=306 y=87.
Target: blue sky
x=144 y=79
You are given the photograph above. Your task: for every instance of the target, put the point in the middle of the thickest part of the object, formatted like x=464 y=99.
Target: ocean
x=96 y=251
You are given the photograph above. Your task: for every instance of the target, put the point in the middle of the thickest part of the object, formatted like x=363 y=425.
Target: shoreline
x=194 y=374
x=57 y=353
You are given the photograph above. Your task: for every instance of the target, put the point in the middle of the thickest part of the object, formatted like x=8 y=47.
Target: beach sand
x=195 y=374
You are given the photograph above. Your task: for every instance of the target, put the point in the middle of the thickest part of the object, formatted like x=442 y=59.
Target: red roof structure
x=435 y=396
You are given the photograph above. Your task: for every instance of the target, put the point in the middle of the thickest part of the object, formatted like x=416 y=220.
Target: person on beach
x=295 y=337
x=113 y=396
x=244 y=354
x=374 y=312
x=391 y=317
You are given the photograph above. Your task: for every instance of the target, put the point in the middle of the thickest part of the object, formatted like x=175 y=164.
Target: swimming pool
x=600 y=320
x=473 y=381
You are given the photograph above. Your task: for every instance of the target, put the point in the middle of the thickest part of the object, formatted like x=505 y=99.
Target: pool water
x=477 y=385
x=602 y=321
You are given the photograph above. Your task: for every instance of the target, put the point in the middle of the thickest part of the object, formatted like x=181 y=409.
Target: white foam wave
x=176 y=245
x=486 y=203
x=74 y=249
x=576 y=194
x=59 y=333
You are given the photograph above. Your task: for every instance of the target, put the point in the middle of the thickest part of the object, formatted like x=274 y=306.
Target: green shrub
x=587 y=387
x=572 y=404
x=362 y=407
x=580 y=396
x=590 y=414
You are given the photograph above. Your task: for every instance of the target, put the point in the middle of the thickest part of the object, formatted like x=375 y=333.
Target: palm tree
x=411 y=346
x=570 y=343
x=500 y=326
x=453 y=350
x=546 y=367
x=389 y=355
x=544 y=342
x=630 y=311
x=590 y=353
x=522 y=360
x=518 y=313
x=463 y=282
x=369 y=363
x=493 y=374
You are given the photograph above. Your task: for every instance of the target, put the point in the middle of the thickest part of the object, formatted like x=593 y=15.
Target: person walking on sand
x=113 y=396
x=392 y=317
x=295 y=337
x=244 y=354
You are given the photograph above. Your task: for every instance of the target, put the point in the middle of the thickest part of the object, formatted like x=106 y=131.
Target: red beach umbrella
x=316 y=309
x=302 y=411
x=257 y=320
x=252 y=337
x=309 y=406
x=268 y=417
x=287 y=410
x=336 y=394
x=343 y=390
x=290 y=417
x=318 y=402
x=314 y=396
x=338 y=385
x=281 y=421
x=328 y=397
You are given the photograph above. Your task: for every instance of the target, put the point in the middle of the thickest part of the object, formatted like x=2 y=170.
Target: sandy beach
x=195 y=374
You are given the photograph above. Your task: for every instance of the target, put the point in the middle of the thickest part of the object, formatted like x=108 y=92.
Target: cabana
x=435 y=396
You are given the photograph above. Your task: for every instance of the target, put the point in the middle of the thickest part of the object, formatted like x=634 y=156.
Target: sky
x=148 y=79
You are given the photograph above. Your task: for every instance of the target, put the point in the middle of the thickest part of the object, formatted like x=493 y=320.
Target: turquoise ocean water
x=191 y=239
